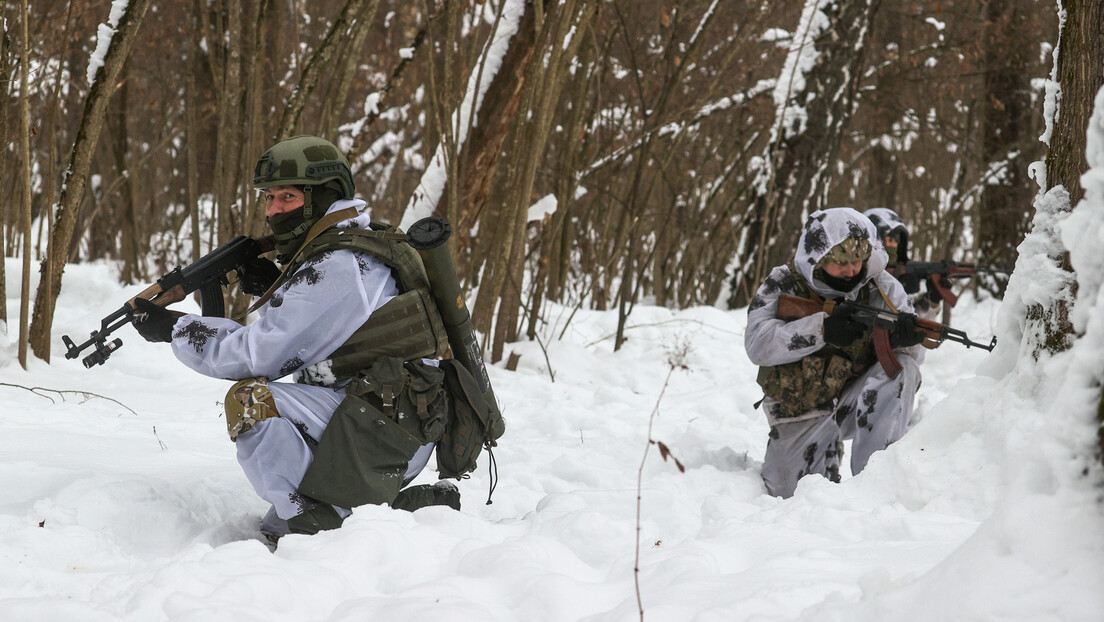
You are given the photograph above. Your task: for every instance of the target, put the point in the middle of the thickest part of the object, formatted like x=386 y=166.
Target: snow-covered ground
x=121 y=498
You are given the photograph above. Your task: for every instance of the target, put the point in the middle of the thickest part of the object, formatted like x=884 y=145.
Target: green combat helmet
x=315 y=165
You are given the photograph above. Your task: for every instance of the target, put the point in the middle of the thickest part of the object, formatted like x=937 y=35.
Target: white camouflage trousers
x=276 y=452
x=873 y=411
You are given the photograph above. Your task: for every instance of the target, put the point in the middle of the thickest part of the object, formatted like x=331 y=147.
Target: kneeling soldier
x=820 y=376
x=350 y=319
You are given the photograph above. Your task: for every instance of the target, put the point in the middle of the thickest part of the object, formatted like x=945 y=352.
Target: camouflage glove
x=906 y=334
x=153 y=322
x=840 y=330
x=257 y=275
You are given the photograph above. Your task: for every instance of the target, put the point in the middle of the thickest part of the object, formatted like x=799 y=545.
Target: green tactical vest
x=817 y=379
x=408 y=326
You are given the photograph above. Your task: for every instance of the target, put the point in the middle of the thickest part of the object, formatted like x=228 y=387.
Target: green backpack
x=415 y=330
x=471 y=427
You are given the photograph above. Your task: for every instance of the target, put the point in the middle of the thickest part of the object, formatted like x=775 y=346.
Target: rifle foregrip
x=932 y=330
x=944 y=292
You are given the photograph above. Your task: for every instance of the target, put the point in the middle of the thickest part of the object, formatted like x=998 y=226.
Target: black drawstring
x=492 y=473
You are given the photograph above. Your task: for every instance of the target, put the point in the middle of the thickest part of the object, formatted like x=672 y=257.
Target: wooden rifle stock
x=795 y=307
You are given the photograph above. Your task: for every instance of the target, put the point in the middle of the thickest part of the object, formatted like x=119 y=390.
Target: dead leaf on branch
x=665 y=453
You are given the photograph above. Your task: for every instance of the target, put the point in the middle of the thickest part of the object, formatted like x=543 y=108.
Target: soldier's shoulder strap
x=318 y=229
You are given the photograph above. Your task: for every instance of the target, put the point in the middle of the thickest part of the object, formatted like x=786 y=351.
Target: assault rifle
x=911 y=273
x=882 y=322
x=207 y=276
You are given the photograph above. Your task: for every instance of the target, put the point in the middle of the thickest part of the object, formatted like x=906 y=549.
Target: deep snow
x=125 y=502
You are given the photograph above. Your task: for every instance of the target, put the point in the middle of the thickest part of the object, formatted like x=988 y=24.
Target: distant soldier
x=895 y=237
x=820 y=375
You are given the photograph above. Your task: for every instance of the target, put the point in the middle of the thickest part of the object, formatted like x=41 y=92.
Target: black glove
x=932 y=293
x=840 y=330
x=153 y=322
x=911 y=283
x=257 y=275
x=906 y=335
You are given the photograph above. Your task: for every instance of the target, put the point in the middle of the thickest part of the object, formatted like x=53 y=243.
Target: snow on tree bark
x=815 y=96
x=76 y=175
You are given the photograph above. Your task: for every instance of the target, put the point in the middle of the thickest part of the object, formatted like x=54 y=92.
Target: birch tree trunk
x=814 y=107
x=76 y=175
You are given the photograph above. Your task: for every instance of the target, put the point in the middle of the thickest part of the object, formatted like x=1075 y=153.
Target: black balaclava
x=290 y=228
x=840 y=284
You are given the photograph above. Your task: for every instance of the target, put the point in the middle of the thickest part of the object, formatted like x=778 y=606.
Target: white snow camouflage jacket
x=309 y=316
x=771 y=341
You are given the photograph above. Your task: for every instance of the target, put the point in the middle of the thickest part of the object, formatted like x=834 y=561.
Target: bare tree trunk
x=1080 y=57
x=1007 y=133
x=227 y=154
x=191 y=145
x=258 y=138
x=345 y=26
x=802 y=150
x=25 y=203
x=130 y=233
x=481 y=152
x=358 y=29
x=498 y=252
x=5 y=51
x=502 y=287
x=76 y=176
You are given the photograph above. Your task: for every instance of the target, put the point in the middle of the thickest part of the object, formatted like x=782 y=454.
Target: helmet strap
x=308 y=210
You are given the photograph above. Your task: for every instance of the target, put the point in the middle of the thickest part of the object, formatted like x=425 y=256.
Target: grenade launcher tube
x=428 y=237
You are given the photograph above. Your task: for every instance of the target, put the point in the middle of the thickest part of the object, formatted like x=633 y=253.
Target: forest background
x=615 y=151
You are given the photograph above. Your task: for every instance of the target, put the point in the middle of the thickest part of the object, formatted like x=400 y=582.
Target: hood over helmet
x=889 y=223
x=838 y=233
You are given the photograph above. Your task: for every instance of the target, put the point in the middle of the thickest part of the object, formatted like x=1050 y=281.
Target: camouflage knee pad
x=246 y=403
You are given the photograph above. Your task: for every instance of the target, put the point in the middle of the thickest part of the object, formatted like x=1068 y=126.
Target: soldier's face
x=839 y=270
x=282 y=199
x=890 y=243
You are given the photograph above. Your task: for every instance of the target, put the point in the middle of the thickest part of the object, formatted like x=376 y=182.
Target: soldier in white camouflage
x=822 y=383
x=345 y=320
x=895 y=237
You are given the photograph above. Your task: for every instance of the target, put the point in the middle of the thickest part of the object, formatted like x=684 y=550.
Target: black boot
x=424 y=495
x=319 y=518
